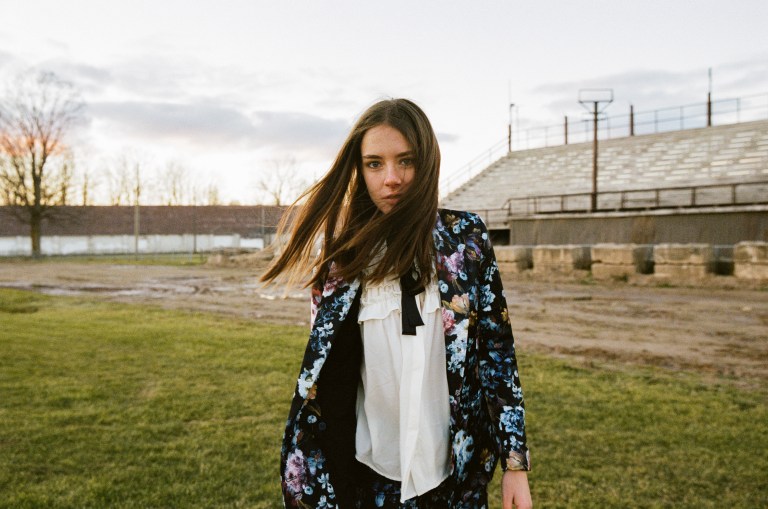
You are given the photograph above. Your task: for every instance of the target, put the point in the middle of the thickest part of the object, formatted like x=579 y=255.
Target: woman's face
x=388 y=165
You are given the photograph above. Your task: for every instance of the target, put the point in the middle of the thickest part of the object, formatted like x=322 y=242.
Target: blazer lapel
x=454 y=296
x=336 y=300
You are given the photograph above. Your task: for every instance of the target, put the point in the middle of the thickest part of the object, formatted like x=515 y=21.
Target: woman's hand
x=515 y=492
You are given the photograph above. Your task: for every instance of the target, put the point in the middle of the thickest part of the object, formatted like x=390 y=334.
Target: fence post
x=631 y=120
x=709 y=109
x=682 y=118
x=566 y=129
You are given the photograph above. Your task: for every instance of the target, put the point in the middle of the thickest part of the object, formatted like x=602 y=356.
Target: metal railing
x=475 y=166
x=710 y=195
x=678 y=118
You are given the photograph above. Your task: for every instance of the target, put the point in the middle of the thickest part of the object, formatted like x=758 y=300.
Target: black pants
x=375 y=491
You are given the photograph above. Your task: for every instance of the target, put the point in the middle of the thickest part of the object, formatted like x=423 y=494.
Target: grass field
x=110 y=405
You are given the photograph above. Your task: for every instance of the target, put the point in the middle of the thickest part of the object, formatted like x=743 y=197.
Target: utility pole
x=136 y=218
x=709 y=99
x=509 y=131
x=591 y=100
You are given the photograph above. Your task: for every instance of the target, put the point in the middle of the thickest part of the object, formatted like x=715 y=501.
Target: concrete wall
x=715 y=228
x=124 y=244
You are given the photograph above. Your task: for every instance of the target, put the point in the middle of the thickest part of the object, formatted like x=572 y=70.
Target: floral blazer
x=486 y=400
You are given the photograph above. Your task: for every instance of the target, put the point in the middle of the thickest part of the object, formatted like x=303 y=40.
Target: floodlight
x=592 y=95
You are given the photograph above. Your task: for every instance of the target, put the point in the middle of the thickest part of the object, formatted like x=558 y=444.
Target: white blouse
x=403 y=414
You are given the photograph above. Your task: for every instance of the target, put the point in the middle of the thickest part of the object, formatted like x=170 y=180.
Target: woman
x=408 y=393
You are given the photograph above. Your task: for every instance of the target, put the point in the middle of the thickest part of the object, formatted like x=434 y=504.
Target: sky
x=233 y=91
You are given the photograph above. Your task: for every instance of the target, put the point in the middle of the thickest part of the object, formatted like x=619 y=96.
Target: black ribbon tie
x=409 y=289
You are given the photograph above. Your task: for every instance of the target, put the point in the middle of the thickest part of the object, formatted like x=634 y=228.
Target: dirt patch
x=718 y=329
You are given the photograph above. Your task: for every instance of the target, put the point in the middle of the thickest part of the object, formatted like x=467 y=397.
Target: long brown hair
x=353 y=229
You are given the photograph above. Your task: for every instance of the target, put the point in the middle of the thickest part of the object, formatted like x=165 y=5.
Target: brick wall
x=246 y=221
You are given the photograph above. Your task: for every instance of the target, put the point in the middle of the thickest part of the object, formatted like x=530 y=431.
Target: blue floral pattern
x=486 y=401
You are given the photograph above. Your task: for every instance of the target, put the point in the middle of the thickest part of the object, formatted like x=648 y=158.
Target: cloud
x=5 y=58
x=88 y=78
x=214 y=124
x=652 y=89
x=287 y=128
x=447 y=137
x=646 y=89
x=749 y=74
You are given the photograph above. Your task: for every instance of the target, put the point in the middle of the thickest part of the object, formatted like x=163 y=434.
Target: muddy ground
x=718 y=328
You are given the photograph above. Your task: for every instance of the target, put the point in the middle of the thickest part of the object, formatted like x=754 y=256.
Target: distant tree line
x=40 y=171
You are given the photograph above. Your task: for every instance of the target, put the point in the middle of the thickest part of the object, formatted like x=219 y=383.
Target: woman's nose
x=393 y=175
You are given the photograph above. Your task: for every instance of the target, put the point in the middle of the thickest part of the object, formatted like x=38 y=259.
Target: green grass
x=109 y=405
x=173 y=259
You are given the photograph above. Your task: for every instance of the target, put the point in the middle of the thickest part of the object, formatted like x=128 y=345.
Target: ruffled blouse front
x=403 y=413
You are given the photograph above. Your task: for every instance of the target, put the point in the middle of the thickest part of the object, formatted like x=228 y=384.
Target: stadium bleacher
x=727 y=154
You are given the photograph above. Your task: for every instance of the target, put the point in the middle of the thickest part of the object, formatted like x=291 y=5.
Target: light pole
x=591 y=98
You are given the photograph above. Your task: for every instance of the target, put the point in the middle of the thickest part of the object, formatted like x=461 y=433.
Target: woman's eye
x=406 y=162
x=373 y=164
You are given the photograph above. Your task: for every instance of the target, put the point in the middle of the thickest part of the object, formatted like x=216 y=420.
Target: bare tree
x=35 y=165
x=123 y=180
x=174 y=185
x=212 y=195
x=205 y=194
x=84 y=186
x=282 y=184
x=64 y=180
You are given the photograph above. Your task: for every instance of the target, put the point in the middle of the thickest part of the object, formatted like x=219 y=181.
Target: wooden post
x=594 y=163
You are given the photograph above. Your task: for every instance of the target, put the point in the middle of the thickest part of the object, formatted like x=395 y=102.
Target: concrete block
x=514 y=259
x=680 y=271
x=750 y=260
x=750 y=252
x=561 y=258
x=609 y=271
x=748 y=271
x=613 y=254
x=683 y=261
x=620 y=260
x=639 y=258
x=683 y=254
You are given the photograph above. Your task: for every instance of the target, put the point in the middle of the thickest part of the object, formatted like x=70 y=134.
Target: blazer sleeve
x=497 y=362
x=314 y=303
